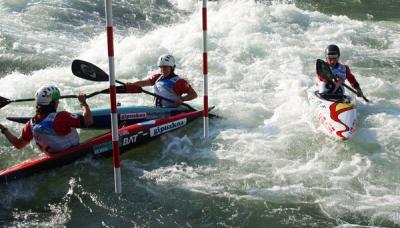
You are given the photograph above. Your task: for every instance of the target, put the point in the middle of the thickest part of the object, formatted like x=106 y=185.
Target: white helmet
x=46 y=94
x=166 y=60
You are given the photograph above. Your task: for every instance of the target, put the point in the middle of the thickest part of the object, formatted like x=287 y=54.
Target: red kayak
x=129 y=137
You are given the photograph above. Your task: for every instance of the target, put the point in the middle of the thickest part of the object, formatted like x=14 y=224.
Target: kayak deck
x=126 y=115
x=101 y=146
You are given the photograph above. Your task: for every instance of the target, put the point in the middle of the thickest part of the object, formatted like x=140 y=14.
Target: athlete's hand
x=132 y=88
x=82 y=98
x=338 y=82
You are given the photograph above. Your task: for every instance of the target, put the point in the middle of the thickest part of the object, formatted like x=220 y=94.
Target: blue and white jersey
x=328 y=87
x=165 y=87
x=48 y=140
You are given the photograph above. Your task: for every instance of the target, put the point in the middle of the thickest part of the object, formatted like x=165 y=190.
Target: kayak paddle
x=89 y=71
x=5 y=101
x=324 y=71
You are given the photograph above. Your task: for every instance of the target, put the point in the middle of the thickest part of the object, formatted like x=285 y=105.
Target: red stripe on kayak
x=335 y=116
x=44 y=162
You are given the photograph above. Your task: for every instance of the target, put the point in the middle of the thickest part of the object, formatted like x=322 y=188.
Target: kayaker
x=335 y=88
x=166 y=84
x=52 y=131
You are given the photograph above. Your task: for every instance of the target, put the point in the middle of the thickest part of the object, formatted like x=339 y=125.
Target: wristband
x=4 y=130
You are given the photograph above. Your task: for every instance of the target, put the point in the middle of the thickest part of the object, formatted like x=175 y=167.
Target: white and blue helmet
x=166 y=60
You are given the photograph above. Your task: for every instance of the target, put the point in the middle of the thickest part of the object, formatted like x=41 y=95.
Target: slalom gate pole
x=205 y=68
x=113 y=98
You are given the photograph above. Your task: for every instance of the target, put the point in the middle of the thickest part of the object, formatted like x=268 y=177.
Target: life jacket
x=48 y=140
x=165 y=87
x=328 y=87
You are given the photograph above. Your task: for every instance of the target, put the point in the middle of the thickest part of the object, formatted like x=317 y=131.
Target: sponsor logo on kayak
x=329 y=127
x=133 y=116
x=167 y=127
x=102 y=147
x=124 y=141
x=129 y=140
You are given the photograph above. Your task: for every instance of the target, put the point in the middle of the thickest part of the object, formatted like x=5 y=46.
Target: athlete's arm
x=183 y=87
x=87 y=113
x=190 y=95
x=353 y=82
x=350 y=77
x=18 y=142
x=142 y=83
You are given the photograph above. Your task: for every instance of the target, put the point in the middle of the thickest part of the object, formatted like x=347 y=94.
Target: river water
x=266 y=163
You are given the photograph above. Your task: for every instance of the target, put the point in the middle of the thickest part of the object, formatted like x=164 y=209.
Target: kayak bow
x=337 y=116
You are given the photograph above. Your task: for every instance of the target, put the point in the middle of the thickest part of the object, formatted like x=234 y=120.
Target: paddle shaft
x=352 y=90
x=32 y=99
x=160 y=97
x=88 y=71
x=4 y=101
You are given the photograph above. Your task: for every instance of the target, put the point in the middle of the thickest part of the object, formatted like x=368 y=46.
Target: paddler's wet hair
x=46 y=109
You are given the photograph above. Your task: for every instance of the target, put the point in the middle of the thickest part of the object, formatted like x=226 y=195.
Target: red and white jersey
x=171 y=87
x=53 y=133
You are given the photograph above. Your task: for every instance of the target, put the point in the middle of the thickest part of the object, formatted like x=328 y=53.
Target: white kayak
x=338 y=116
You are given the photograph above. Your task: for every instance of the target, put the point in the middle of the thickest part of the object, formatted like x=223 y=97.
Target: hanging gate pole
x=205 y=68
x=113 y=98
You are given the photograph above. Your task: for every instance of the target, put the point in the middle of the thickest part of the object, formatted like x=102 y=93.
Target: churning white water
x=266 y=163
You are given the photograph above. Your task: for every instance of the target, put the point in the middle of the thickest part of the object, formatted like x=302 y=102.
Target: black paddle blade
x=4 y=101
x=324 y=70
x=88 y=71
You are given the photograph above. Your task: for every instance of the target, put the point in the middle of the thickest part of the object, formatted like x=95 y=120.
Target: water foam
x=262 y=60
